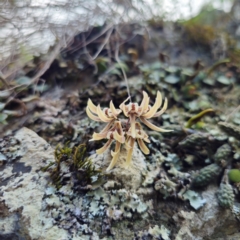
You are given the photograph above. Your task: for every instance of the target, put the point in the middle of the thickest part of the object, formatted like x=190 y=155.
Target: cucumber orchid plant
x=126 y=131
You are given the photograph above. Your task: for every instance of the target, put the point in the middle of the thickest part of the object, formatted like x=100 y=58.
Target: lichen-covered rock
x=207 y=174
x=177 y=131
x=165 y=186
x=196 y=201
x=209 y=223
x=230 y=129
x=23 y=187
x=193 y=140
x=117 y=203
x=223 y=154
x=130 y=177
x=155 y=232
x=225 y=195
x=118 y=207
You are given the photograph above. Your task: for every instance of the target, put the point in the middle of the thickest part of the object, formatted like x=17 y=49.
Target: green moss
x=79 y=155
x=59 y=152
x=44 y=169
x=79 y=165
x=83 y=165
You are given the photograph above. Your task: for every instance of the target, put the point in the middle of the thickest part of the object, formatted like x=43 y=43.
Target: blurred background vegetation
x=29 y=27
x=97 y=37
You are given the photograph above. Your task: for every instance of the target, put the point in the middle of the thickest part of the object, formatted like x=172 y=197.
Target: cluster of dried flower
x=126 y=131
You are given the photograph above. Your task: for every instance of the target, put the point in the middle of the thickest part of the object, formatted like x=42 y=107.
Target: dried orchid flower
x=141 y=136
x=132 y=132
x=144 y=112
x=99 y=115
x=115 y=132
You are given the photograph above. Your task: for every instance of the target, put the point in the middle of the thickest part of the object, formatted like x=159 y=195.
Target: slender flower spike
x=114 y=132
x=141 y=136
x=129 y=146
x=133 y=131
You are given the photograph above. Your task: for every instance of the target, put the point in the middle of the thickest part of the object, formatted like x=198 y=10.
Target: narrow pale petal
x=144 y=103
x=140 y=133
x=143 y=147
x=92 y=116
x=143 y=136
x=115 y=112
x=127 y=143
x=102 y=115
x=130 y=151
x=133 y=126
x=118 y=133
x=91 y=106
x=105 y=147
x=119 y=138
x=146 y=139
x=153 y=127
x=123 y=107
x=163 y=109
x=155 y=107
x=129 y=156
x=119 y=126
x=147 y=104
x=99 y=136
x=115 y=156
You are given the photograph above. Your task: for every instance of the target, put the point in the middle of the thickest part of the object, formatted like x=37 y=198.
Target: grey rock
x=210 y=222
x=23 y=187
x=31 y=208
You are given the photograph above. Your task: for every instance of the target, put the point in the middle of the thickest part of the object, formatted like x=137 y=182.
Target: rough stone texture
x=130 y=177
x=22 y=191
x=32 y=209
x=211 y=222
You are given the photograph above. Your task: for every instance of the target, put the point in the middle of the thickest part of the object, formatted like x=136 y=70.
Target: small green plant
x=196 y=118
x=61 y=152
x=234 y=175
x=79 y=166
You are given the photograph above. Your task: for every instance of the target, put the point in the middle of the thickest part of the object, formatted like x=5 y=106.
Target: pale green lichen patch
x=161 y=232
x=196 y=201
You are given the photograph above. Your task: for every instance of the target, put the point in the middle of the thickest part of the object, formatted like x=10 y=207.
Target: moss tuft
x=73 y=161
